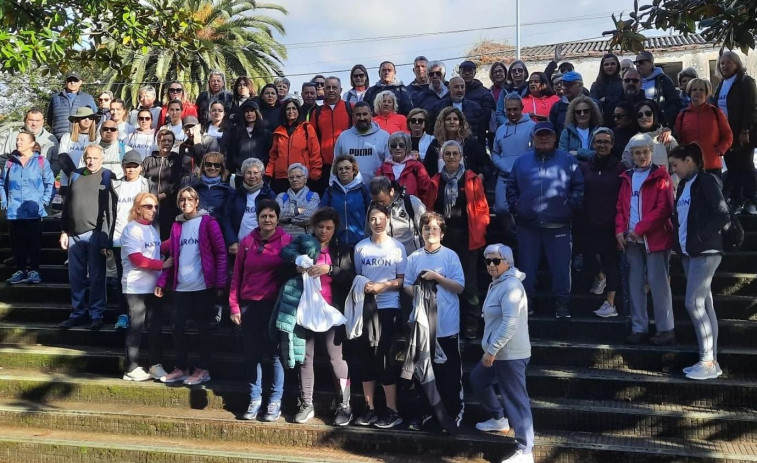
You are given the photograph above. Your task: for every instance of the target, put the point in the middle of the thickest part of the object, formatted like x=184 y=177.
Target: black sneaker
x=367 y=418
x=417 y=423
x=343 y=415
x=68 y=323
x=561 y=310
x=97 y=324
x=389 y=420
x=305 y=413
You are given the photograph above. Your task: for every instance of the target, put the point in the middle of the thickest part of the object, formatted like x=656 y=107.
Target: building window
x=671 y=70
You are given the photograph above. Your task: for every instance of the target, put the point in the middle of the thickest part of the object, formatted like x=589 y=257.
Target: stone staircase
x=594 y=399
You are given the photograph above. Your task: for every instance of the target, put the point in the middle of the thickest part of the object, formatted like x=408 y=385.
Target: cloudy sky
x=363 y=32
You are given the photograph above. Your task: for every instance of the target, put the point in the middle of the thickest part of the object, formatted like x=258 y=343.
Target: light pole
x=517 y=29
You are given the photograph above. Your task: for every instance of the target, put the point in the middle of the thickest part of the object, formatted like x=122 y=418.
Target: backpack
x=308 y=197
x=733 y=233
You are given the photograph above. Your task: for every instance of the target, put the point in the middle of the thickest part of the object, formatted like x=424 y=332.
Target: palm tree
x=193 y=37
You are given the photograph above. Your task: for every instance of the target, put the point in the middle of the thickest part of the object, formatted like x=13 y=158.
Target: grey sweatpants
x=699 y=272
x=652 y=268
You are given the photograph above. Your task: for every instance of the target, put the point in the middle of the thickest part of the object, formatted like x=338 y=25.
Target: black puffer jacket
x=708 y=214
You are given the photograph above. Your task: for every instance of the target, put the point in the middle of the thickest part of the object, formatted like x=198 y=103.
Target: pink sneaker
x=175 y=376
x=199 y=376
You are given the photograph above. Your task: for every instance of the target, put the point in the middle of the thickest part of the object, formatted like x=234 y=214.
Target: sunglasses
x=641 y=61
x=435 y=73
x=582 y=112
x=261 y=247
x=646 y=113
x=143 y=118
x=131 y=165
x=150 y=207
x=417 y=121
x=72 y=80
x=397 y=145
x=109 y=129
x=358 y=76
x=103 y=99
x=631 y=81
x=619 y=116
x=493 y=261
x=175 y=90
x=320 y=84
x=214 y=165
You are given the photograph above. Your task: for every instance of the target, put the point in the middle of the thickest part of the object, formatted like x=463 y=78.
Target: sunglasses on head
x=493 y=261
x=646 y=113
x=631 y=81
x=582 y=112
x=417 y=121
x=150 y=207
x=397 y=145
x=109 y=129
x=214 y=165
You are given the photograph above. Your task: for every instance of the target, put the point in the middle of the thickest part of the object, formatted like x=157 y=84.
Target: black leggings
x=141 y=305
x=338 y=365
x=26 y=241
x=376 y=363
x=199 y=306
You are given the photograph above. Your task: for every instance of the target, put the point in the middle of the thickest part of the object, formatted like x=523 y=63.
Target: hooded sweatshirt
x=351 y=203
x=505 y=313
x=511 y=142
x=369 y=148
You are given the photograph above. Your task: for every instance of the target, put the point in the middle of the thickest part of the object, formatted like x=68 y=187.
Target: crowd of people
x=381 y=196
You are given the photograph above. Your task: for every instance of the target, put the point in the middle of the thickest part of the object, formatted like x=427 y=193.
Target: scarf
x=299 y=198
x=211 y=181
x=252 y=188
x=451 y=189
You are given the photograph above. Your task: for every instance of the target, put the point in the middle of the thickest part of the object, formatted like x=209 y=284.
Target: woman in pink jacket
x=252 y=295
x=198 y=274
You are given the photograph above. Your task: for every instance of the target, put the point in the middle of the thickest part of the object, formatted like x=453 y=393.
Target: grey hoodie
x=369 y=148
x=505 y=313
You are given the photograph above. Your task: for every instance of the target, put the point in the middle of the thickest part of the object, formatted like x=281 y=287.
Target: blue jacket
x=213 y=198
x=545 y=190
x=351 y=205
x=26 y=190
x=61 y=107
x=571 y=141
x=233 y=211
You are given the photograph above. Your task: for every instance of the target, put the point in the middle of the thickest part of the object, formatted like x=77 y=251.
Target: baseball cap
x=544 y=125
x=132 y=157
x=572 y=76
x=73 y=75
x=467 y=64
x=189 y=121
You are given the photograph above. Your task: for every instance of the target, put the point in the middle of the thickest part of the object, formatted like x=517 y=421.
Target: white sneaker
x=751 y=209
x=606 y=311
x=598 y=287
x=520 y=457
x=158 y=372
x=718 y=371
x=137 y=374
x=492 y=425
x=700 y=371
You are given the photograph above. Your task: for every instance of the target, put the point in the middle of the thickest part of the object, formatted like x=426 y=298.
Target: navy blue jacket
x=61 y=107
x=233 y=211
x=400 y=91
x=708 y=214
x=545 y=189
x=477 y=117
x=213 y=198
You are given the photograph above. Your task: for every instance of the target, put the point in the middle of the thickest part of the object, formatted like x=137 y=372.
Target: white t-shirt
x=142 y=142
x=637 y=179
x=380 y=262
x=126 y=195
x=190 y=276
x=144 y=239
x=446 y=263
x=682 y=208
x=584 y=135
x=723 y=95
x=397 y=170
x=178 y=132
x=250 y=217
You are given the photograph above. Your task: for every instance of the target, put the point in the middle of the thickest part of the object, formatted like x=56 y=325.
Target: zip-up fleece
x=655 y=209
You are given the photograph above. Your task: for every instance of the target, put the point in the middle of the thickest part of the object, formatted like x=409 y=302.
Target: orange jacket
x=328 y=124
x=707 y=125
x=302 y=146
x=392 y=123
x=477 y=207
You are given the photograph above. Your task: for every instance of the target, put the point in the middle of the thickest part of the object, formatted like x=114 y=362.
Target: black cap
x=467 y=64
x=73 y=75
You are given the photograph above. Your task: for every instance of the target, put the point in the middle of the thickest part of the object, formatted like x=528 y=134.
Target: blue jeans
x=84 y=258
x=257 y=346
x=556 y=243
x=513 y=402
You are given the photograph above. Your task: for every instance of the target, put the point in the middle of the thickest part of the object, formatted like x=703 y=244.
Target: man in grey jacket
x=34 y=122
x=366 y=141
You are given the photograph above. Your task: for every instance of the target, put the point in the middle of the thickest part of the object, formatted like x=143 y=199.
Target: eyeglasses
x=175 y=90
x=320 y=84
x=619 y=116
x=641 y=61
x=397 y=145
x=517 y=70
x=143 y=118
x=417 y=121
x=435 y=73
x=582 y=112
x=214 y=165
x=631 y=81
x=451 y=154
x=109 y=129
x=493 y=261
x=296 y=177
x=150 y=207
x=642 y=114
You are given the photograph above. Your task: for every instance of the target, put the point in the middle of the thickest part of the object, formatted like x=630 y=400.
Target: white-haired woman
x=402 y=167
x=644 y=231
x=385 y=107
x=507 y=351
x=298 y=203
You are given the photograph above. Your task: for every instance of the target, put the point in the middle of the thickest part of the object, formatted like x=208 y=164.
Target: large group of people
x=381 y=196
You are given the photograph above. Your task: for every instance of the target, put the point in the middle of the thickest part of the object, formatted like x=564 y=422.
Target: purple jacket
x=212 y=253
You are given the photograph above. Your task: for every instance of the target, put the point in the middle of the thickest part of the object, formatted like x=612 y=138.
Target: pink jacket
x=656 y=204
x=414 y=178
x=256 y=268
x=212 y=254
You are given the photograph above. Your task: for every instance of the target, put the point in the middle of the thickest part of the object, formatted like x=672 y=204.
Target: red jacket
x=302 y=146
x=477 y=207
x=656 y=204
x=328 y=124
x=707 y=125
x=392 y=123
x=413 y=177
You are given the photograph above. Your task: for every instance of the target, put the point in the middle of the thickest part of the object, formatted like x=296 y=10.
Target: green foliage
x=728 y=23
x=21 y=92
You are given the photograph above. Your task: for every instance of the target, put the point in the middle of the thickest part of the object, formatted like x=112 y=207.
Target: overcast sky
x=309 y=23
